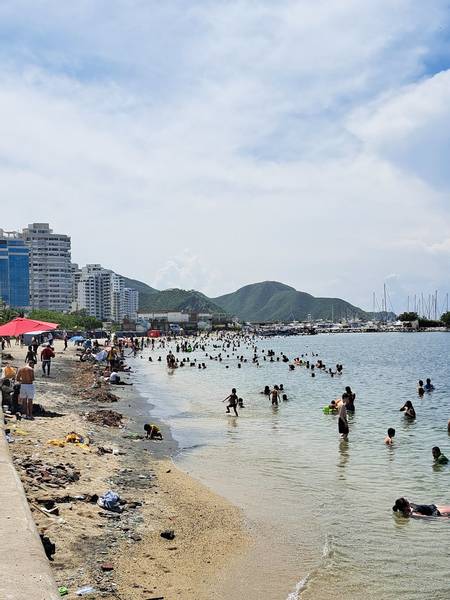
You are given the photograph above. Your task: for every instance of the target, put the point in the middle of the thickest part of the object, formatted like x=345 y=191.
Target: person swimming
x=409 y=509
x=429 y=387
x=439 y=458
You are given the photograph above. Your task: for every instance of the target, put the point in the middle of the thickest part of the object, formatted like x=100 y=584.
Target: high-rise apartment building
x=102 y=294
x=130 y=303
x=50 y=267
x=14 y=270
x=76 y=276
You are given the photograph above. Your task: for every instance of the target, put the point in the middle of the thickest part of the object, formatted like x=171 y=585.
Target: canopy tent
x=77 y=338
x=20 y=325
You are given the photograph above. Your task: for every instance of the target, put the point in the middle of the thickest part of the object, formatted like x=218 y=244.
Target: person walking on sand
x=46 y=357
x=232 y=401
x=25 y=376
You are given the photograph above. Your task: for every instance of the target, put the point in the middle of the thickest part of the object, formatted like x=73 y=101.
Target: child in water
x=232 y=401
x=389 y=439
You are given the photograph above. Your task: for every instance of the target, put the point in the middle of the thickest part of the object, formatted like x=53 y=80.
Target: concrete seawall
x=25 y=572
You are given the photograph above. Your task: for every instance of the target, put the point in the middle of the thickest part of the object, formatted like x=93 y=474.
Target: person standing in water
x=408 y=409
x=389 y=439
x=275 y=395
x=232 y=401
x=342 y=418
x=429 y=387
x=350 y=399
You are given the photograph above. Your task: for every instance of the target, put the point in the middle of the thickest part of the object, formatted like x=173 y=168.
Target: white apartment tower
x=131 y=303
x=50 y=267
x=103 y=295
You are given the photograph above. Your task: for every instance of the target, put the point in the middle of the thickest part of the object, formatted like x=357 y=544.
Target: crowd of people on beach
x=109 y=359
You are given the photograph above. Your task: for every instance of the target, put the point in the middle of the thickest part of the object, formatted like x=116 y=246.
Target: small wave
x=327 y=552
x=301 y=585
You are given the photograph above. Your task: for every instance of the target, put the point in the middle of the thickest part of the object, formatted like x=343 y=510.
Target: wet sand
x=121 y=556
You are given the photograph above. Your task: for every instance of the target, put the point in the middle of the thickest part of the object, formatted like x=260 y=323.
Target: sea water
x=319 y=508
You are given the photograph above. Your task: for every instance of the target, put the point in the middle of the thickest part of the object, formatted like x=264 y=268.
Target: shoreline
x=121 y=556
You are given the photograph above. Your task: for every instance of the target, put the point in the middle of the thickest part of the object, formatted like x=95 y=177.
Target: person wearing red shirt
x=46 y=357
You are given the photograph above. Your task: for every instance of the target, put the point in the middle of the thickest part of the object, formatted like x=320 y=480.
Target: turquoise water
x=320 y=508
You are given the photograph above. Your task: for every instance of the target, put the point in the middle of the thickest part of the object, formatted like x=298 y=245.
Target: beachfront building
x=14 y=270
x=102 y=294
x=76 y=276
x=175 y=321
x=131 y=303
x=50 y=267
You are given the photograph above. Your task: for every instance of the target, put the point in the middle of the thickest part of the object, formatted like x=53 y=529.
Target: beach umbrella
x=20 y=325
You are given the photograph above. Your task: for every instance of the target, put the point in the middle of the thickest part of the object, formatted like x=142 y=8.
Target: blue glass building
x=14 y=273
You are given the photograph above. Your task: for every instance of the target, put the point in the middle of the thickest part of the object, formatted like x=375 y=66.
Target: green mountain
x=274 y=301
x=265 y=301
x=178 y=300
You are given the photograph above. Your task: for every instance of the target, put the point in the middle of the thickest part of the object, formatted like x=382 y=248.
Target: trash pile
x=55 y=476
x=107 y=418
x=98 y=394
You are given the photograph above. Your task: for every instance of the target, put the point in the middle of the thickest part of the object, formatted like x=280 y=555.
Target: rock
x=107 y=566
x=168 y=534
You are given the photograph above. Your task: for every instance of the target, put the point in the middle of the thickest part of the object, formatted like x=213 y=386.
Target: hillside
x=265 y=301
x=274 y=301
x=178 y=300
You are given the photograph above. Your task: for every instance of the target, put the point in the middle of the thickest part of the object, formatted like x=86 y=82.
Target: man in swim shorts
x=25 y=376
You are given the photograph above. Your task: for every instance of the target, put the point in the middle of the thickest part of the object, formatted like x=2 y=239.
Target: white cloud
x=292 y=141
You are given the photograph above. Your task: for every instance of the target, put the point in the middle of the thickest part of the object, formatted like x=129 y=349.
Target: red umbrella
x=19 y=326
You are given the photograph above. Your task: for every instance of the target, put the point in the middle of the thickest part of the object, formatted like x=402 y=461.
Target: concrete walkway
x=25 y=572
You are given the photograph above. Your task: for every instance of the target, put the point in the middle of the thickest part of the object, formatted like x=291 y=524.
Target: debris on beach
x=99 y=395
x=168 y=534
x=107 y=418
x=134 y=436
x=86 y=589
x=111 y=501
x=40 y=473
x=72 y=438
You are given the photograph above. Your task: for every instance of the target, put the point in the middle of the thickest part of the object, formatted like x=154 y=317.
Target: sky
x=210 y=144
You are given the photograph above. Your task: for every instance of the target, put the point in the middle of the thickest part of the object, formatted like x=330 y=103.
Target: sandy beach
x=120 y=555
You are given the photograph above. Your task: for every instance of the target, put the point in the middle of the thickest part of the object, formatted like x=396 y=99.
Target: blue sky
x=210 y=144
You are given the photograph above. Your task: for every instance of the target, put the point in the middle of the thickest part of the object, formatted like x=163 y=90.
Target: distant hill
x=274 y=301
x=265 y=301
x=145 y=291
x=179 y=300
